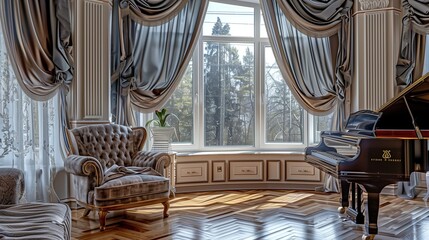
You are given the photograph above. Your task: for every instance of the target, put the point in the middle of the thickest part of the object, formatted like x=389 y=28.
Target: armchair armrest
x=85 y=166
x=156 y=160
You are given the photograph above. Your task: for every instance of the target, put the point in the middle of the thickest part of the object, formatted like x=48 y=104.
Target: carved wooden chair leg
x=86 y=212
x=173 y=195
x=166 y=207
x=102 y=219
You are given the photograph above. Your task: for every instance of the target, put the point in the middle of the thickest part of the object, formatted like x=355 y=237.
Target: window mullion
x=199 y=96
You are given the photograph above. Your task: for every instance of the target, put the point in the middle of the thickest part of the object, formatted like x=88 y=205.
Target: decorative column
x=377 y=34
x=89 y=98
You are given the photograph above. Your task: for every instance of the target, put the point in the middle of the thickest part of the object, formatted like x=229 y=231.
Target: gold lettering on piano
x=386 y=157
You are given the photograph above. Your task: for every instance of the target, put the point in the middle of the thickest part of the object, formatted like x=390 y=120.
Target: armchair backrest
x=109 y=143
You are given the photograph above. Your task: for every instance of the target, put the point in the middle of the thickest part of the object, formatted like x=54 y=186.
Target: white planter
x=162 y=138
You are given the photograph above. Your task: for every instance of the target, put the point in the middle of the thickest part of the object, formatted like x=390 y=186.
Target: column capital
x=376 y=5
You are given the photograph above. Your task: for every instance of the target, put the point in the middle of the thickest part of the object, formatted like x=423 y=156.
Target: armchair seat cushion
x=131 y=188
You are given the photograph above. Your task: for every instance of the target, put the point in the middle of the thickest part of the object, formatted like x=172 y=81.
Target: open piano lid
x=407 y=115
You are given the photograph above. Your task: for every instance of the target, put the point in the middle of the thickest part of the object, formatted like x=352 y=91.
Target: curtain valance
x=417 y=11
x=315 y=18
x=152 y=12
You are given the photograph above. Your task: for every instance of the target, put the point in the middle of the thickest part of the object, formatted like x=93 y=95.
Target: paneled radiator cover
x=223 y=171
x=231 y=171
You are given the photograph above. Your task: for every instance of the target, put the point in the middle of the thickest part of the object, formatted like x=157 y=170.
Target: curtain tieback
x=128 y=87
x=60 y=77
x=124 y=4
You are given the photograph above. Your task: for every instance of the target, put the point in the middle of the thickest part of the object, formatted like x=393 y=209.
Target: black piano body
x=389 y=144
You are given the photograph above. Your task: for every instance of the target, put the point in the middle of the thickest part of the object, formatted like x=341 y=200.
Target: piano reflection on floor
x=389 y=145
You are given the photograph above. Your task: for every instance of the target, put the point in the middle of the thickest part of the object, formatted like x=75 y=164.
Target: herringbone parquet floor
x=256 y=214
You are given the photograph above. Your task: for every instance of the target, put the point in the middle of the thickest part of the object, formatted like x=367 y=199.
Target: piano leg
x=355 y=210
x=345 y=188
x=372 y=207
x=359 y=217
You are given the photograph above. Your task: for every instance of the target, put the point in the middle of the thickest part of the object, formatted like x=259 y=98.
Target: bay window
x=233 y=96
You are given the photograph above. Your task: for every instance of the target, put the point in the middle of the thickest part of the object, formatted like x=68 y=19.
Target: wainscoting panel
x=301 y=171
x=249 y=170
x=192 y=172
x=274 y=170
x=246 y=170
x=218 y=171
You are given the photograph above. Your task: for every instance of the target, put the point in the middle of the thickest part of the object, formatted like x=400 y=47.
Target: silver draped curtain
x=313 y=55
x=325 y=33
x=152 y=57
x=415 y=27
x=37 y=36
x=38 y=39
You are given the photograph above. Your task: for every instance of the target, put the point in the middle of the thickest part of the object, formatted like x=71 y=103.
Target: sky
x=239 y=18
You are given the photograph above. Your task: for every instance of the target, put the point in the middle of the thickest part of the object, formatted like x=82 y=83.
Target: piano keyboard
x=332 y=158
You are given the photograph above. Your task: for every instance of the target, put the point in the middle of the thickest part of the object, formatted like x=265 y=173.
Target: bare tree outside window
x=284 y=116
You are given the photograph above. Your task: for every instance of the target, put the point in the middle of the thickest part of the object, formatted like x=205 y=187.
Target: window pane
x=321 y=123
x=263 y=32
x=237 y=21
x=284 y=116
x=181 y=105
x=229 y=95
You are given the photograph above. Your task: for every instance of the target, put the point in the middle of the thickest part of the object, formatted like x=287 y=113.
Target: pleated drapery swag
x=152 y=12
x=415 y=27
x=38 y=39
x=147 y=73
x=319 y=73
x=37 y=36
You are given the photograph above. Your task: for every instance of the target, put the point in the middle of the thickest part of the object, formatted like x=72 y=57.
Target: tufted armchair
x=110 y=172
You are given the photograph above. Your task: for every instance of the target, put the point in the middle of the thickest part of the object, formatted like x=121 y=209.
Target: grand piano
x=384 y=147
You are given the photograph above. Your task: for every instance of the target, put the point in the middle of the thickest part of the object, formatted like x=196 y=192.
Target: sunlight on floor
x=291 y=197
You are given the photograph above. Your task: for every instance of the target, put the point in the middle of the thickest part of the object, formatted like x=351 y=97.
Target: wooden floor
x=255 y=215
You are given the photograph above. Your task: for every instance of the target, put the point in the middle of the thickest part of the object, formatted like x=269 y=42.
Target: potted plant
x=161 y=131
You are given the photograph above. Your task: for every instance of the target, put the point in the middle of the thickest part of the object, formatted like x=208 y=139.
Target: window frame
x=260 y=144
x=263 y=140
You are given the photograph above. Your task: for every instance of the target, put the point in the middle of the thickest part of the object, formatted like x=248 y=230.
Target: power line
x=233 y=23
x=230 y=13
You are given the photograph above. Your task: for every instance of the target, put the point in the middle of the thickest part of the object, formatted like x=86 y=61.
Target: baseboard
x=244 y=186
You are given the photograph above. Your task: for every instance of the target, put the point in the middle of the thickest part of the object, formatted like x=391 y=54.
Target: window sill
x=246 y=152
